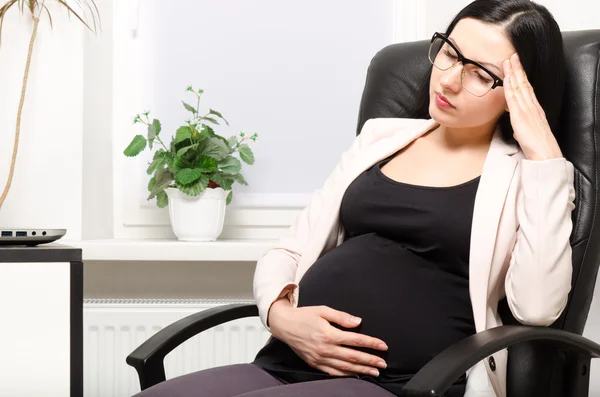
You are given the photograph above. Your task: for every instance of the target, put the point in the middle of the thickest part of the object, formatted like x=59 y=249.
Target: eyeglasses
x=475 y=78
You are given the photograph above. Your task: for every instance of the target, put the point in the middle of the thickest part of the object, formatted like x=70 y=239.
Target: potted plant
x=36 y=9
x=194 y=174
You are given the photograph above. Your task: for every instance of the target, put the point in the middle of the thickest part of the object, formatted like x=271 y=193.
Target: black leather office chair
x=542 y=361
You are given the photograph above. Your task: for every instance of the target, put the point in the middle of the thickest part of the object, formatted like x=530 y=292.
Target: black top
x=403 y=268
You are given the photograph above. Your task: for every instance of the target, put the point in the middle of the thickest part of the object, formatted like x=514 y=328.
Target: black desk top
x=52 y=252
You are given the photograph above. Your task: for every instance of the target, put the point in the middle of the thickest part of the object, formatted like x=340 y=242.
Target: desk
x=41 y=307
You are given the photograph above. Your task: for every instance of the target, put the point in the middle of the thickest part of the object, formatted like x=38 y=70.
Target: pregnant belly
x=408 y=302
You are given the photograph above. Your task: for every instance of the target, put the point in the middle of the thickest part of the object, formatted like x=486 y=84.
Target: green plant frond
x=7 y=5
x=30 y=4
x=91 y=6
x=3 y=11
x=49 y=15
x=34 y=6
x=70 y=9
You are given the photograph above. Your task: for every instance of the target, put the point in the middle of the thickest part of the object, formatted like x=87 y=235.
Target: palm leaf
x=76 y=14
x=39 y=6
x=49 y=15
x=92 y=8
x=3 y=11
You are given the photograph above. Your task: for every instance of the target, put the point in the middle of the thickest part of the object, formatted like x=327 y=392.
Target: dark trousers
x=249 y=380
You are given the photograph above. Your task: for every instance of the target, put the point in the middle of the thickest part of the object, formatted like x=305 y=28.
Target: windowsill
x=224 y=250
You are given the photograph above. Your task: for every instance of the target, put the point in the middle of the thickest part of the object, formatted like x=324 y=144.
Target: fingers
x=513 y=94
x=520 y=83
x=359 y=340
x=344 y=367
x=333 y=371
x=518 y=89
x=349 y=338
x=339 y=317
x=338 y=359
x=509 y=94
x=357 y=357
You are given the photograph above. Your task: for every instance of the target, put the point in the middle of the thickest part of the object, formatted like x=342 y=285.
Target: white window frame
x=260 y=217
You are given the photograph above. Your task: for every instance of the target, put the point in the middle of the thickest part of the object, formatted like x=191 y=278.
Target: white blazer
x=519 y=238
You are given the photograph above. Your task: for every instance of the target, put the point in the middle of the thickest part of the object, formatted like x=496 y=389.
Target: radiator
x=114 y=328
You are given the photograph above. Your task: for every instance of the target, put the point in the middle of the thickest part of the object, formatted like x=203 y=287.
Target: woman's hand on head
x=309 y=333
x=528 y=119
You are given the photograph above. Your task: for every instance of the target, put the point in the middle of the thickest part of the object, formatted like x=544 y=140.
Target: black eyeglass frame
x=498 y=82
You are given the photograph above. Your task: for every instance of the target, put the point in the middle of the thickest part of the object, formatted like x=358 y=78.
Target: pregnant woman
x=423 y=227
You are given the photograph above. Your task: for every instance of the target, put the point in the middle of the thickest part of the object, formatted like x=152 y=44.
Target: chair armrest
x=444 y=369
x=148 y=358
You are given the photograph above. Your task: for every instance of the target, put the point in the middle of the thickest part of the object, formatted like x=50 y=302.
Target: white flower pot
x=198 y=218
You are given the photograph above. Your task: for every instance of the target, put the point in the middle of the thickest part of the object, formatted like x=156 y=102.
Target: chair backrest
x=393 y=81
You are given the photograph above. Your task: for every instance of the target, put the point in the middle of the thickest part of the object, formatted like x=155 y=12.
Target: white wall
x=435 y=15
x=574 y=14
x=97 y=184
x=46 y=190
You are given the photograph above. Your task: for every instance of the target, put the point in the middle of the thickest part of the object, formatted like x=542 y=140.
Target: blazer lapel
x=494 y=184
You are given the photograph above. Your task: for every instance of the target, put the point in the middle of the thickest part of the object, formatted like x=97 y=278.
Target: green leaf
x=222 y=180
x=230 y=165
x=160 y=153
x=210 y=119
x=225 y=142
x=157 y=127
x=151 y=183
x=187 y=176
x=180 y=163
x=135 y=147
x=207 y=164
x=162 y=200
x=189 y=107
x=219 y=115
x=153 y=131
x=154 y=165
x=232 y=141
x=246 y=154
x=163 y=179
x=206 y=132
x=213 y=147
x=160 y=158
x=229 y=197
x=183 y=133
x=240 y=179
x=184 y=150
x=195 y=188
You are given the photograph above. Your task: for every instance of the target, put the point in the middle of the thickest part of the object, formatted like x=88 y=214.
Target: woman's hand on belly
x=309 y=333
